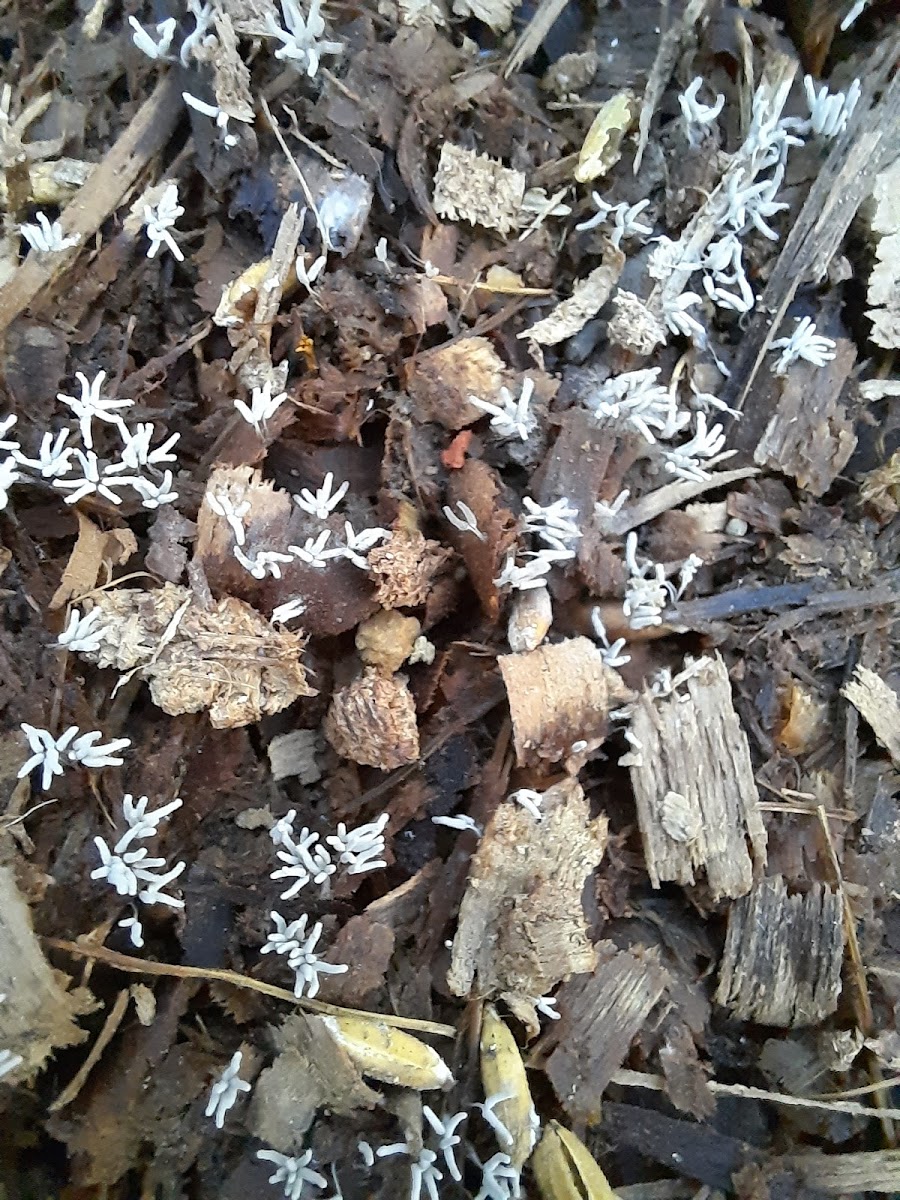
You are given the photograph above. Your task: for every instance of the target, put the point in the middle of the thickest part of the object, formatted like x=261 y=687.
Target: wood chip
x=495 y=13
x=473 y=187
x=559 y=698
x=441 y=381
x=600 y=1015
x=478 y=485
x=293 y=756
x=810 y=435
x=697 y=801
x=849 y=1174
x=95 y=551
x=588 y=297
x=884 y=282
x=783 y=954
x=522 y=926
x=404 y=567
x=877 y=702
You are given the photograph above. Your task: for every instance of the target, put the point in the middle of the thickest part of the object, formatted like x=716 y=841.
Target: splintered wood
x=783 y=955
x=884 y=282
x=600 y=1015
x=697 y=800
x=522 y=927
x=877 y=703
x=559 y=700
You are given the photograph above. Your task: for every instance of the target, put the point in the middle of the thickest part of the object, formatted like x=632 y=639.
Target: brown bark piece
x=559 y=698
x=227 y=659
x=697 y=800
x=94 y=550
x=810 y=435
x=473 y=187
x=851 y=1174
x=310 y=1071
x=783 y=954
x=600 y=1016
x=373 y=721
x=878 y=704
x=441 y=381
x=477 y=485
x=522 y=926
x=37 y=1015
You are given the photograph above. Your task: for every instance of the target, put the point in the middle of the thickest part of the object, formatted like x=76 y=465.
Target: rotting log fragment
x=877 y=702
x=697 y=801
x=522 y=926
x=783 y=955
x=600 y=1015
x=559 y=700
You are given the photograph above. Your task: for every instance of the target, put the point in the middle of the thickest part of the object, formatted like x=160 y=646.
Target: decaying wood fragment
x=403 y=568
x=559 y=700
x=37 y=1014
x=851 y=1174
x=373 y=721
x=227 y=658
x=473 y=187
x=495 y=13
x=440 y=381
x=877 y=702
x=884 y=282
x=386 y=639
x=697 y=800
x=479 y=487
x=600 y=1015
x=588 y=297
x=782 y=959
x=293 y=756
x=521 y=926
x=311 y=1071
x=810 y=435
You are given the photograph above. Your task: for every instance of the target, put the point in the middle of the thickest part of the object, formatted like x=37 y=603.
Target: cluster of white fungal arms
x=696 y=115
x=624 y=218
x=292 y=939
x=530 y=800
x=157 y=50
x=159 y=221
x=131 y=872
x=293 y=1172
x=461 y=821
x=554 y=524
x=47 y=237
x=639 y=400
x=53 y=755
x=612 y=653
x=803 y=343
x=262 y=406
x=225 y=1091
x=511 y=417
x=829 y=112
x=93 y=475
x=308 y=859
x=647 y=591
x=301 y=38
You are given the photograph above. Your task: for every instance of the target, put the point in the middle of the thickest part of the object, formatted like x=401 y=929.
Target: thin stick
x=141 y=966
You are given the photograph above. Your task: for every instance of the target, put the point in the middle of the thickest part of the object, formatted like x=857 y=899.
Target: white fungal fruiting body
x=500 y=1180
x=510 y=418
x=301 y=38
x=465 y=522
x=553 y=523
x=91 y=405
x=81 y=633
x=53 y=755
x=359 y=849
x=530 y=800
x=636 y=398
x=159 y=220
x=217 y=114
x=225 y=1091
x=695 y=114
x=292 y=940
x=829 y=112
x=624 y=219
x=803 y=343
x=322 y=503
x=293 y=1172
x=463 y=822
x=47 y=238
x=159 y=49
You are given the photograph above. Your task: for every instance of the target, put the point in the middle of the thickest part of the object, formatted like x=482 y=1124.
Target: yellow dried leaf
x=503 y=1074
x=390 y=1055
x=565 y=1169
x=603 y=145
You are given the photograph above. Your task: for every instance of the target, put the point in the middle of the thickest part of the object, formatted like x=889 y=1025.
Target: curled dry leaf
x=503 y=1071
x=588 y=296
x=404 y=567
x=478 y=486
x=388 y=1054
x=522 y=928
x=564 y=1168
x=226 y=659
x=560 y=697
x=473 y=187
x=373 y=721
x=37 y=1015
x=441 y=381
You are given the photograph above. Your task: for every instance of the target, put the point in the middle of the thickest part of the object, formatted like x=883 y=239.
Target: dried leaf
x=373 y=721
x=473 y=187
x=503 y=1071
x=588 y=296
x=565 y=1170
x=227 y=659
x=602 y=146
x=95 y=550
x=522 y=927
x=388 y=1054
